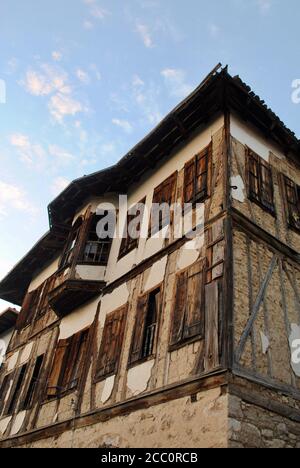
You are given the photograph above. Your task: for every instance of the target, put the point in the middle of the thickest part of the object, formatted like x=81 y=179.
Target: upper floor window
x=163 y=198
x=67 y=364
x=292 y=194
x=111 y=343
x=69 y=251
x=260 y=182
x=33 y=384
x=189 y=305
x=132 y=230
x=97 y=246
x=196 y=174
x=146 y=327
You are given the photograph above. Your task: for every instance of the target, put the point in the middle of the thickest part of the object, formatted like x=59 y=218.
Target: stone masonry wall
x=254 y=427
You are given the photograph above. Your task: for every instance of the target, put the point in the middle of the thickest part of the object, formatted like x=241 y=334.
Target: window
x=33 y=383
x=111 y=343
x=196 y=177
x=133 y=229
x=69 y=251
x=96 y=250
x=28 y=310
x=260 y=182
x=146 y=324
x=16 y=390
x=292 y=194
x=163 y=198
x=188 y=313
x=5 y=387
x=67 y=364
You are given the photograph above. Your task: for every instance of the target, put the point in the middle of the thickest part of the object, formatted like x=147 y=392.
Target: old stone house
x=167 y=341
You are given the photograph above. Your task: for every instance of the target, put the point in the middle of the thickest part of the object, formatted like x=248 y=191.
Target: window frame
x=185 y=339
x=202 y=195
x=287 y=181
x=253 y=159
x=133 y=362
x=173 y=181
x=67 y=364
x=86 y=241
x=118 y=315
x=127 y=243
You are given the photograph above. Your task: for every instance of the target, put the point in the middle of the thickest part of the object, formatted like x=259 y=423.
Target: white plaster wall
x=111 y=302
x=12 y=361
x=248 y=135
x=18 y=422
x=4 y=424
x=145 y=188
x=44 y=274
x=90 y=272
x=25 y=354
x=78 y=320
x=138 y=377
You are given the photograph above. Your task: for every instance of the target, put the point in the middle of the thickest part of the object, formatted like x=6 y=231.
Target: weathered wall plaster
x=4 y=424
x=138 y=377
x=253 y=139
x=108 y=388
x=44 y=274
x=78 y=320
x=239 y=192
x=156 y=274
x=89 y=272
x=25 y=356
x=113 y=301
x=294 y=345
x=18 y=423
x=189 y=253
x=265 y=342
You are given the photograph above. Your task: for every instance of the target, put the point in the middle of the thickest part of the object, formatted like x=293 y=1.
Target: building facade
x=8 y=320
x=187 y=335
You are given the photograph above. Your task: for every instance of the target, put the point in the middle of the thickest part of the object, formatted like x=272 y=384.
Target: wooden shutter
x=57 y=366
x=188 y=313
x=189 y=181
x=201 y=185
x=163 y=194
x=26 y=312
x=293 y=202
x=194 y=323
x=179 y=308
x=139 y=329
x=75 y=360
x=253 y=175
x=111 y=343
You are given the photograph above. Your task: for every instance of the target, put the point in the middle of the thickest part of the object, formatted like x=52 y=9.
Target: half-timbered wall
x=155 y=264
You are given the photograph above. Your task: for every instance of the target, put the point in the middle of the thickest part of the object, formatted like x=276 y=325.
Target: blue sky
x=86 y=79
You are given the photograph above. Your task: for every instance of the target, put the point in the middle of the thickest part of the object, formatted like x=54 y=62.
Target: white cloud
x=58 y=185
x=124 y=124
x=96 y=71
x=264 y=5
x=57 y=56
x=32 y=154
x=82 y=76
x=214 y=30
x=175 y=81
x=45 y=81
x=88 y=25
x=147 y=99
x=62 y=105
x=37 y=157
x=14 y=198
x=98 y=12
x=61 y=155
x=145 y=35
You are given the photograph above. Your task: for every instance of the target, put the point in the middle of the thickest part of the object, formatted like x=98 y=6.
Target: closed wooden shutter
x=57 y=366
x=189 y=181
x=76 y=357
x=111 y=343
x=163 y=195
x=292 y=193
x=179 y=308
x=260 y=181
x=26 y=312
x=139 y=329
x=194 y=323
x=188 y=313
